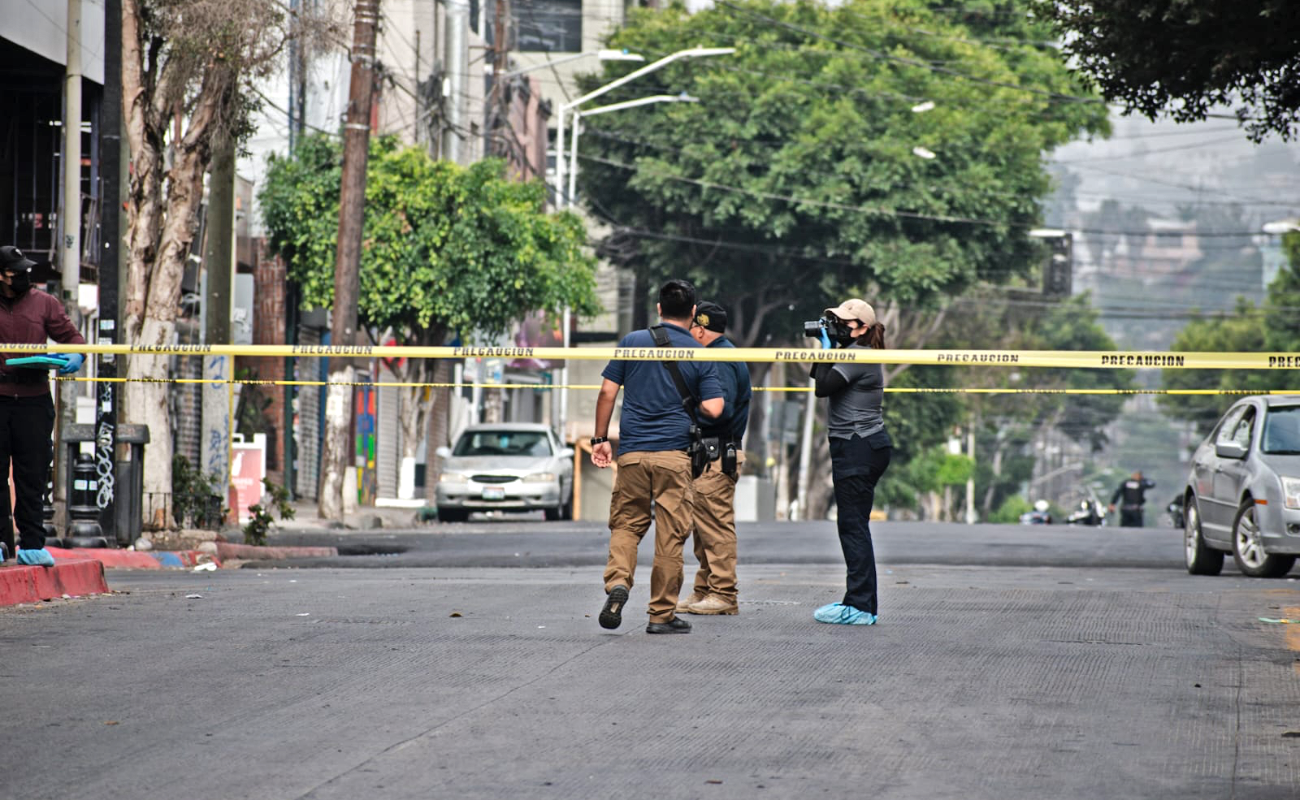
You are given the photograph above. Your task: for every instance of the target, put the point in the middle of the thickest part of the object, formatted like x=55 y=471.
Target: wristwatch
x=595 y=440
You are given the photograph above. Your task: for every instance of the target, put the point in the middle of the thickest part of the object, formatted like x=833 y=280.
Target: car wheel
x=1201 y=558
x=1248 y=547
x=452 y=515
x=554 y=514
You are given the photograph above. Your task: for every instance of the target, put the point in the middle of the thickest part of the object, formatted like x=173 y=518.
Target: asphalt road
x=533 y=543
x=1084 y=679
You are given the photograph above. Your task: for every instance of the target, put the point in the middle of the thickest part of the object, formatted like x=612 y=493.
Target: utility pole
x=70 y=257
x=110 y=216
x=218 y=263
x=971 y=519
x=352 y=196
x=805 y=450
x=457 y=83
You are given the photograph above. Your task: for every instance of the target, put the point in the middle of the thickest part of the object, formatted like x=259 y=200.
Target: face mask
x=22 y=281
x=839 y=332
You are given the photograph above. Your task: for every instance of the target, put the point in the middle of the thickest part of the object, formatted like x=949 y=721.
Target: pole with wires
x=352 y=198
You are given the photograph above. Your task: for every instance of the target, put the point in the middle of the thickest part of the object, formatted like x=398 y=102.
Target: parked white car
x=1243 y=492
x=509 y=466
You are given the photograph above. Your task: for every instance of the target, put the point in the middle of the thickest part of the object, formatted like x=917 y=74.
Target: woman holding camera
x=860 y=450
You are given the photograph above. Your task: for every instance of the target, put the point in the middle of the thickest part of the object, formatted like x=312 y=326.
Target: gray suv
x=1243 y=492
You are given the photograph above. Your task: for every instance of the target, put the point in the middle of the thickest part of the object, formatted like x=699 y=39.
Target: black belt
x=22 y=377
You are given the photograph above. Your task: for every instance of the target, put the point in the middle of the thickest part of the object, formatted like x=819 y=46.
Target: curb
x=71 y=577
x=134 y=559
x=253 y=552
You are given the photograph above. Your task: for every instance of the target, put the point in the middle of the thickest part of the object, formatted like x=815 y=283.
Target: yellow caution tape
x=1084 y=359
x=594 y=387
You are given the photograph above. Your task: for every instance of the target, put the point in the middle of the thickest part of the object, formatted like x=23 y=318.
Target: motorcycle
x=1040 y=515
x=1089 y=512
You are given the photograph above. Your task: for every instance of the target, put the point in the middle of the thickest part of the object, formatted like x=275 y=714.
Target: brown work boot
x=714 y=604
x=684 y=605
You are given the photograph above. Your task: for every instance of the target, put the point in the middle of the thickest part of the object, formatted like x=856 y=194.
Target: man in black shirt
x=1133 y=492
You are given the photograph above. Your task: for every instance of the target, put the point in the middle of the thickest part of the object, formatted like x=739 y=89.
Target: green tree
x=795 y=182
x=1182 y=59
x=446 y=249
x=1251 y=328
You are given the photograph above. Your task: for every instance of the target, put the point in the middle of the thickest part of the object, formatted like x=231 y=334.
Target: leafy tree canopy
x=1182 y=58
x=1274 y=327
x=795 y=179
x=446 y=248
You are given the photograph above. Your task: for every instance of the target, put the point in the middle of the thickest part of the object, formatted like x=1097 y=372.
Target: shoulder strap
x=688 y=400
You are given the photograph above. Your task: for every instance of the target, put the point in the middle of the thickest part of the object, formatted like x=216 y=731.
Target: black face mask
x=839 y=332
x=21 y=282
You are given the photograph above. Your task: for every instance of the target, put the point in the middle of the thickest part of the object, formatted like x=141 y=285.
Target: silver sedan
x=510 y=466
x=1243 y=491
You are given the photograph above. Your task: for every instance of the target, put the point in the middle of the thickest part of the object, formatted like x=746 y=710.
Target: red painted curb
x=108 y=557
x=250 y=552
x=75 y=577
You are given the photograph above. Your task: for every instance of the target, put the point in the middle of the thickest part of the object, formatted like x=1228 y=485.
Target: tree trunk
x=338 y=418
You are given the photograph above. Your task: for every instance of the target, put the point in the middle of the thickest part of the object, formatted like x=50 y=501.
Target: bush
x=1011 y=509
x=261 y=522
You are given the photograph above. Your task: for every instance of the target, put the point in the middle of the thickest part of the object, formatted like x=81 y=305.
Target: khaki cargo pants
x=663 y=478
x=715 y=531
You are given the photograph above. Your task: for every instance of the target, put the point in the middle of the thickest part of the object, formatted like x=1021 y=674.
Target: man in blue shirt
x=653 y=467
x=715 y=490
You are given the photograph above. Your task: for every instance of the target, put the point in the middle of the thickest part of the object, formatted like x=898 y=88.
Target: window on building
x=540 y=26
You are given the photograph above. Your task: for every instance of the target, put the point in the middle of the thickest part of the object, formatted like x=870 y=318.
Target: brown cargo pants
x=715 y=531
x=662 y=478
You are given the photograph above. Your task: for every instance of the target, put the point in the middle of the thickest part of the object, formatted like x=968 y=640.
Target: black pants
x=854 y=495
x=26 y=424
x=1130 y=517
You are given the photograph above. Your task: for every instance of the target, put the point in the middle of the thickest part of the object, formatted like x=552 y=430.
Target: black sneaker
x=611 y=616
x=674 y=625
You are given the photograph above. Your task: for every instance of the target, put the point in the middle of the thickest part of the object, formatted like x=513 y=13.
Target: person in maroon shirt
x=29 y=316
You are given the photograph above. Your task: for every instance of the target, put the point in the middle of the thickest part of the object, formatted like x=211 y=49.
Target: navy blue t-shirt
x=734 y=377
x=653 y=417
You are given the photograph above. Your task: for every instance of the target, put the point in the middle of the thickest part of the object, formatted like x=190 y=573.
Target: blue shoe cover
x=840 y=614
x=35 y=558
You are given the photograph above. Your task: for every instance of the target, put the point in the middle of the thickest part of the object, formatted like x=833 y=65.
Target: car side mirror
x=1229 y=450
x=443 y=452
x=567 y=452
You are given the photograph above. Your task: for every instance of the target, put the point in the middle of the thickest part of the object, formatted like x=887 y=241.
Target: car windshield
x=1282 y=431
x=503 y=443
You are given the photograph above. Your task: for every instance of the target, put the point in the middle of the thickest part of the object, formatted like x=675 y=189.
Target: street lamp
x=1281 y=227
x=577 y=126
x=573 y=181
x=561 y=201
x=695 y=52
x=603 y=55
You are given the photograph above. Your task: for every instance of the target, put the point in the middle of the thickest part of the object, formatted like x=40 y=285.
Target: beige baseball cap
x=857 y=309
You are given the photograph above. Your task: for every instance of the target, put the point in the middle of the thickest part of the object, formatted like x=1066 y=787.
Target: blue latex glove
x=826 y=340
x=75 y=360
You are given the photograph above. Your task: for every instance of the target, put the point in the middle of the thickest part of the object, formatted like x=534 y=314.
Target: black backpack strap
x=688 y=400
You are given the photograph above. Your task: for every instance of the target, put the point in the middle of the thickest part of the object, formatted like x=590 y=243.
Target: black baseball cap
x=711 y=316
x=13 y=260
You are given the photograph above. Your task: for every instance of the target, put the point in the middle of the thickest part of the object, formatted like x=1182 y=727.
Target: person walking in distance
x=860 y=451
x=1132 y=496
x=715 y=589
x=653 y=465
x=29 y=316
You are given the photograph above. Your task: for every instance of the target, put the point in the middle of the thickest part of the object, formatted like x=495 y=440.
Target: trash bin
x=128 y=477
x=130 y=483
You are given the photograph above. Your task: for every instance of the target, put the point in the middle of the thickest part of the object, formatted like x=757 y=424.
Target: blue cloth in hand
x=75 y=360
x=826 y=340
